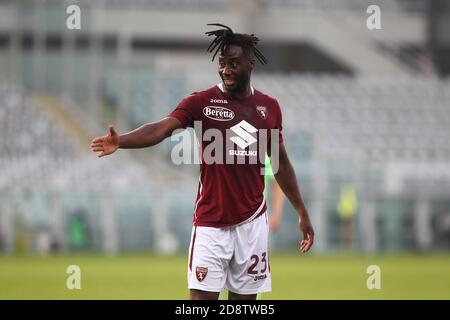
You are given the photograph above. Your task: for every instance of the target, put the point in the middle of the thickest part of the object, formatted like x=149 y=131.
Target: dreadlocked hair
x=226 y=37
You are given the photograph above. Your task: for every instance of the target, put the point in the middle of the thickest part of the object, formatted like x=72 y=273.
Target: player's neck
x=242 y=94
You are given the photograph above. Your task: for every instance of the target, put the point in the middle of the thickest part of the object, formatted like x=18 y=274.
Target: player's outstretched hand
x=308 y=234
x=106 y=145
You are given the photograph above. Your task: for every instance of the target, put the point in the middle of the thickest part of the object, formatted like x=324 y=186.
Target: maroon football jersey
x=230 y=192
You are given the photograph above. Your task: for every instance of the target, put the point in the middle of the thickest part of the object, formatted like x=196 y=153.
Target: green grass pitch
x=295 y=276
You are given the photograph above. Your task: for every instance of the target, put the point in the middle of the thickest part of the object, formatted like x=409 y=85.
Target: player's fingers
x=304 y=248
x=97 y=140
x=96 y=145
x=308 y=245
x=99 y=143
x=97 y=149
x=302 y=245
x=307 y=242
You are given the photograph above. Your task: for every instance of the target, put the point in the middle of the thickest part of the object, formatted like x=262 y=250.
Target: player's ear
x=251 y=63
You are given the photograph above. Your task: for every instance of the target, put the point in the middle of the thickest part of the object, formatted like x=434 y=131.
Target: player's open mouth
x=229 y=82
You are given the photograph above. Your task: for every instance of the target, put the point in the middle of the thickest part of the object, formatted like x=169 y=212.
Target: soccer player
x=229 y=243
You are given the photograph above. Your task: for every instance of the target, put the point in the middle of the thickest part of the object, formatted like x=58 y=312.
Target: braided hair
x=226 y=37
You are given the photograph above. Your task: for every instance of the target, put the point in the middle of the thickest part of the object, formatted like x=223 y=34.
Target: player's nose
x=226 y=71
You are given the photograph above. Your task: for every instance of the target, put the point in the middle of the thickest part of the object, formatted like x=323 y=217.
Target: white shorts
x=235 y=258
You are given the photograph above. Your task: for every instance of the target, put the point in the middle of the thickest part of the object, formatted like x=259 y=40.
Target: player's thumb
x=112 y=132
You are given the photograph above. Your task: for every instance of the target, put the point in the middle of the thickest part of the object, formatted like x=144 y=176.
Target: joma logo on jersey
x=218 y=101
x=218 y=113
x=261 y=277
x=243 y=129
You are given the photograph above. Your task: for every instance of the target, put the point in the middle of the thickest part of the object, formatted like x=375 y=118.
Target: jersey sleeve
x=279 y=122
x=185 y=111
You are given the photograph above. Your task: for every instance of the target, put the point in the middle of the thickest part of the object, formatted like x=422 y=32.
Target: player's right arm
x=145 y=136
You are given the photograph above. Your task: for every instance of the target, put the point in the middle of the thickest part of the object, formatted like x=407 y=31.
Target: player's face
x=235 y=69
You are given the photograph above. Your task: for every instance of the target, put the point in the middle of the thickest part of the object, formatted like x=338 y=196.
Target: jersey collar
x=220 y=85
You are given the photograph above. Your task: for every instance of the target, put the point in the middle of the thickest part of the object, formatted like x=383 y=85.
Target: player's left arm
x=287 y=180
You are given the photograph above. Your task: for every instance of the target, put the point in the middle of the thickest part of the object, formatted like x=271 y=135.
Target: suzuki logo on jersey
x=243 y=129
x=218 y=113
x=217 y=147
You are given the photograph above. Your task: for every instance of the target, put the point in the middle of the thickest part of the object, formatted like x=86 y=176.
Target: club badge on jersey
x=262 y=112
x=201 y=273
